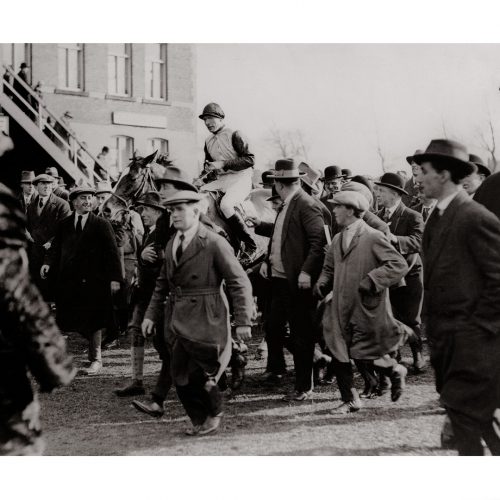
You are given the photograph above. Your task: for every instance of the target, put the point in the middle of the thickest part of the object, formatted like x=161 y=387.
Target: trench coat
x=461 y=253
x=31 y=345
x=84 y=266
x=356 y=325
x=193 y=300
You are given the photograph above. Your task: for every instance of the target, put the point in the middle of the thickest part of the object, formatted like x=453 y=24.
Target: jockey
x=227 y=154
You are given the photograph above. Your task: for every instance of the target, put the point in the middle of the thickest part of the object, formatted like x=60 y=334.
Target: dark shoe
x=210 y=425
x=383 y=386
x=153 y=409
x=273 y=380
x=398 y=381
x=419 y=362
x=298 y=396
x=135 y=388
x=345 y=408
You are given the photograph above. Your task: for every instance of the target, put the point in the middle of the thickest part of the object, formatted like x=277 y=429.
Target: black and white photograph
x=249 y=248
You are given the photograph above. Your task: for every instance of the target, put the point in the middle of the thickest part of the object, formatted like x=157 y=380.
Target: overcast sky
x=348 y=98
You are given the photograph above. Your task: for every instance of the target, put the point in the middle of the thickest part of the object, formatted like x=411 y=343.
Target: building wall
x=93 y=108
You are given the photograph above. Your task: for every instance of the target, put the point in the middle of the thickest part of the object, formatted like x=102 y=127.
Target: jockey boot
x=241 y=231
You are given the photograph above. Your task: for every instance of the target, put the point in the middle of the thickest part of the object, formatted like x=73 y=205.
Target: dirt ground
x=86 y=418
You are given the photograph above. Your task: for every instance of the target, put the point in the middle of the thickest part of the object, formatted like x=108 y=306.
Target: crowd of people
x=355 y=268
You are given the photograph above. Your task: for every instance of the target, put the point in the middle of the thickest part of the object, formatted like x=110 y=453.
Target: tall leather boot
x=241 y=231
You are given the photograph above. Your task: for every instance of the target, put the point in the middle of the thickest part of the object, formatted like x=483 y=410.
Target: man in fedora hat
x=43 y=213
x=346 y=175
x=462 y=286
x=295 y=256
x=472 y=182
x=150 y=209
x=85 y=262
x=196 y=317
x=360 y=266
x=27 y=188
x=103 y=191
x=309 y=182
x=58 y=190
x=332 y=182
x=411 y=185
x=406 y=229
x=227 y=154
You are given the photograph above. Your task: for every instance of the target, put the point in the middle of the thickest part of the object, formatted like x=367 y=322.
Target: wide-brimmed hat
x=52 y=171
x=43 y=178
x=183 y=197
x=331 y=173
x=410 y=159
x=346 y=173
x=150 y=199
x=311 y=176
x=392 y=181
x=212 y=109
x=27 y=176
x=480 y=164
x=103 y=187
x=358 y=188
x=351 y=199
x=286 y=168
x=444 y=149
x=80 y=190
x=266 y=180
x=178 y=178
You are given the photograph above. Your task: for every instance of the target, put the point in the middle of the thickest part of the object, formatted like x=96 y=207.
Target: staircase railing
x=54 y=128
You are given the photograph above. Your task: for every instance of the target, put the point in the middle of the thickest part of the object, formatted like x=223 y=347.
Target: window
x=156 y=70
x=70 y=61
x=121 y=154
x=119 y=69
x=157 y=144
x=13 y=54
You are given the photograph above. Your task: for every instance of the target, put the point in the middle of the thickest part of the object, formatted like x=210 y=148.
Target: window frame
x=149 y=74
x=80 y=66
x=127 y=59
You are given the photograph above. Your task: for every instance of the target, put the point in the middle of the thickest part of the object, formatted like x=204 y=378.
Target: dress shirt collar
x=189 y=234
x=392 y=209
x=84 y=218
x=443 y=204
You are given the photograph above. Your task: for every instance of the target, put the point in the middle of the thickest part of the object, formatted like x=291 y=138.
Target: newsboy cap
x=351 y=199
x=358 y=188
x=43 y=178
x=80 y=190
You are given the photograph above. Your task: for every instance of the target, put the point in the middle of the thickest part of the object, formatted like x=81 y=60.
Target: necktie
x=79 y=227
x=387 y=215
x=178 y=252
x=425 y=213
x=40 y=204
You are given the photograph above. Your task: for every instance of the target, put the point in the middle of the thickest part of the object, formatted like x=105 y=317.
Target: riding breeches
x=236 y=186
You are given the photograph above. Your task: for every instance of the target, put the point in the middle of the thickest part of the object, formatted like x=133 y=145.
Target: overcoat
x=42 y=228
x=303 y=238
x=355 y=325
x=192 y=297
x=462 y=307
x=83 y=266
x=411 y=188
x=487 y=194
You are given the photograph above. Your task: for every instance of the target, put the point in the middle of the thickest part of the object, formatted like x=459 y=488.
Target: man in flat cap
x=85 y=263
x=360 y=266
x=43 y=213
x=196 y=315
x=406 y=229
x=227 y=154
x=462 y=286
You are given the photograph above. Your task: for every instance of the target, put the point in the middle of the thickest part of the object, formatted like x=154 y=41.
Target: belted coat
x=191 y=293
x=355 y=324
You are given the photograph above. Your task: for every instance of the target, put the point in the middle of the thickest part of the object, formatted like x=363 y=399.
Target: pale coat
x=355 y=325
x=196 y=308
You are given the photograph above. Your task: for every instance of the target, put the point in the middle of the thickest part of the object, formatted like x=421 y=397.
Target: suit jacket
x=461 y=302
x=487 y=194
x=408 y=226
x=24 y=206
x=42 y=227
x=411 y=198
x=419 y=208
x=84 y=266
x=303 y=238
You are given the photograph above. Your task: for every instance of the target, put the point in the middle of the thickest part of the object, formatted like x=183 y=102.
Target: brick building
x=129 y=97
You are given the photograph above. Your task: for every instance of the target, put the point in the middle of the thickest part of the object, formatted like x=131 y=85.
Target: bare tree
x=288 y=142
x=488 y=142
